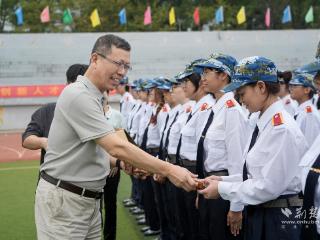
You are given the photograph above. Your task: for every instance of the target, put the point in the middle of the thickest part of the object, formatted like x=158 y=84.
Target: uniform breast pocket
x=216 y=144
x=256 y=162
x=189 y=135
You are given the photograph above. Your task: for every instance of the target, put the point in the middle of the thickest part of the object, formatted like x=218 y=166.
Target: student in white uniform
x=127 y=100
x=308 y=118
x=138 y=115
x=313 y=68
x=220 y=148
x=290 y=105
x=310 y=164
x=172 y=140
x=270 y=181
x=187 y=152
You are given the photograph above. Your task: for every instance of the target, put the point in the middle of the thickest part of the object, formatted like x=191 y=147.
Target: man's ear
x=93 y=58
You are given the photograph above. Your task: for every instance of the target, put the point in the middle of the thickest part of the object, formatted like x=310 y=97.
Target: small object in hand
x=200 y=186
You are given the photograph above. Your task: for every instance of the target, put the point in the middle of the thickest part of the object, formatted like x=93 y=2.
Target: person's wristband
x=118 y=161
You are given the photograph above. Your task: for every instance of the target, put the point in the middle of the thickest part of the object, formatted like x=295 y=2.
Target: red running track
x=11 y=149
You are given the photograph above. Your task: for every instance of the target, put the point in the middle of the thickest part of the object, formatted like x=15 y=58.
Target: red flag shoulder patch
x=277 y=119
x=230 y=103
x=204 y=106
x=308 y=109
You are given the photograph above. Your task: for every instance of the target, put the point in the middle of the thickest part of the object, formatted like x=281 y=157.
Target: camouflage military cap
x=303 y=79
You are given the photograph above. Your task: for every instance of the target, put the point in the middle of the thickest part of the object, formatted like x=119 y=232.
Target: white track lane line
x=18 y=168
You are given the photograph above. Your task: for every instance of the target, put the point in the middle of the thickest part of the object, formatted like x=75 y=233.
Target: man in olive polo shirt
x=75 y=166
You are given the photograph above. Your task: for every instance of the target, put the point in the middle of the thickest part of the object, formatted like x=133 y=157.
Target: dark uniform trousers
x=110 y=204
x=271 y=223
x=149 y=202
x=188 y=214
x=213 y=220
x=161 y=205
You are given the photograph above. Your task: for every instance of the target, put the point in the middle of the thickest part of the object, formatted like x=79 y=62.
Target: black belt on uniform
x=71 y=187
x=217 y=173
x=284 y=201
x=188 y=163
x=171 y=158
x=153 y=150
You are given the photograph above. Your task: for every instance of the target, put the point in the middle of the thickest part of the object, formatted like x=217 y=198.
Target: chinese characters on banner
x=32 y=91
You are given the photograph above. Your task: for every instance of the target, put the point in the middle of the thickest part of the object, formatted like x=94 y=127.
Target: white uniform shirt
x=177 y=126
x=155 y=130
x=132 y=114
x=289 y=104
x=173 y=115
x=273 y=161
x=189 y=139
x=306 y=163
x=226 y=139
x=126 y=102
x=144 y=121
x=308 y=119
x=136 y=121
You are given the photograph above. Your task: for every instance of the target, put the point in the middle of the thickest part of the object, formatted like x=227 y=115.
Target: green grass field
x=17 y=188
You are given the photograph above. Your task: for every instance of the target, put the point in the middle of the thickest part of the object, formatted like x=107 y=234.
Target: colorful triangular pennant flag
x=19 y=15
x=172 y=16
x=219 y=18
x=241 y=16
x=45 y=15
x=286 y=17
x=95 y=19
x=147 y=16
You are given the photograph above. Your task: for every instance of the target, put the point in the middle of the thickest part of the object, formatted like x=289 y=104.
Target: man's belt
x=217 y=173
x=71 y=187
x=283 y=202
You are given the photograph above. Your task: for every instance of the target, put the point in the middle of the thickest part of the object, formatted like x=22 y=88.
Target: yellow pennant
x=95 y=19
x=241 y=16
x=172 y=16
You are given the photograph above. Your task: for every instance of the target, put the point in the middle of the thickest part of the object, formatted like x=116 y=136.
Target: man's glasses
x=121 y=65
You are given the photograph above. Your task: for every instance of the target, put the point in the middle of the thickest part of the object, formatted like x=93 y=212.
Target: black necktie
x=200 y=150
x=121 y=103
x=295 y=116
x=131 y=123
x=318 y=103
x=166 y=142
x=310 y=232
x=253 y=141
x=180 y=141
x=144 y=139
x=161 y=140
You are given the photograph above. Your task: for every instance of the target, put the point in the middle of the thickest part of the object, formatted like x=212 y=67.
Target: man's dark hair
x=75 y=70
x=104 y=43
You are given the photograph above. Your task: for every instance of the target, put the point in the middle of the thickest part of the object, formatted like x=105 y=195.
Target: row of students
x=250 y=173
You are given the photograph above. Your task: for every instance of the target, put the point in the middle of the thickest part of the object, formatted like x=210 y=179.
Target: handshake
x=180 y=177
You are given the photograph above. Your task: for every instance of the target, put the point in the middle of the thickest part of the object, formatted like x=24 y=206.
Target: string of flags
x=241 y=18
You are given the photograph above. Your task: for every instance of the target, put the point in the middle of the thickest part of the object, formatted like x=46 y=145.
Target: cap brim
x=184 y=75
x=233 y=86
